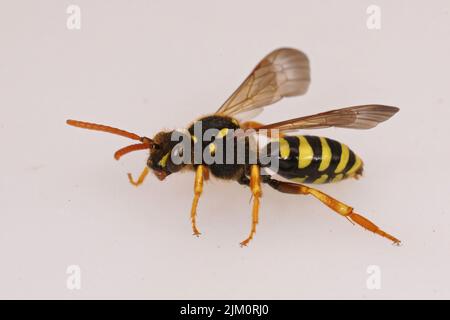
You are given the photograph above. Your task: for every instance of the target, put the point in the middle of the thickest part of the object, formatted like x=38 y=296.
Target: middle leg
x=255 y=186
x=201 y=172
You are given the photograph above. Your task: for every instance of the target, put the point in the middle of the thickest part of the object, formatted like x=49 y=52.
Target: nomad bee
x=301 y=158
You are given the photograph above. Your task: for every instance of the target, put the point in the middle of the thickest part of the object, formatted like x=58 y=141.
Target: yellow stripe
x=345 y=154
x=222 y=133
x=298 y=180
x=163 y=160
x=285 y=149
x=326 y=155
x=306 y=153
x=355 y=167
x=323 y=178
x=212 y=148
x=194 y=138
x=338 y=177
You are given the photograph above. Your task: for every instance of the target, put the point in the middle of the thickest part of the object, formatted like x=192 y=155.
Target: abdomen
x=312 y=159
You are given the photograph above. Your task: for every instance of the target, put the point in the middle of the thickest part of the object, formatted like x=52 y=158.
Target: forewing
x=282 y=73
x=357 y=117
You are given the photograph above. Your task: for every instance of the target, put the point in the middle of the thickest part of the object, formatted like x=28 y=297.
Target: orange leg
x=140 y=179
x=201 y=173
x=332 y=203
x=255 y=186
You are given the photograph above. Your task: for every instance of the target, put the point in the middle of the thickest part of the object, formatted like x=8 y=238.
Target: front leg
x=201 y=172
x=141 y=178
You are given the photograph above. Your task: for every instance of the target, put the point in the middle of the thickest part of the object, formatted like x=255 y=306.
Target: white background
x=148 y=65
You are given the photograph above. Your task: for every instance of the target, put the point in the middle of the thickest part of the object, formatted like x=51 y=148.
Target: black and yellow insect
x=302 y=158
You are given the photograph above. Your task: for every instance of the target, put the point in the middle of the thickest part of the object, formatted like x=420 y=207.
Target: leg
x=205 y=173
x=140 y=179
x=201 y=172
x=255 y=186
x=332 y=203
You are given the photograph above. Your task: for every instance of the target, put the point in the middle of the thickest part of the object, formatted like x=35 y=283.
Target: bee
x=302 y=159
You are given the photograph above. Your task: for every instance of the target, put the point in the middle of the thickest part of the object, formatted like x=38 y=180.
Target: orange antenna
x=146 y=142
x=134 y=147
x=100 y=127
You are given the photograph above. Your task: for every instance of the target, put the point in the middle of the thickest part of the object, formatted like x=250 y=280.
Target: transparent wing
x=282 y=73
x=248 y=115
x=357 y=117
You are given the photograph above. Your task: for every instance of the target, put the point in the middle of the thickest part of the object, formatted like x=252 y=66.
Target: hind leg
x=337 y=206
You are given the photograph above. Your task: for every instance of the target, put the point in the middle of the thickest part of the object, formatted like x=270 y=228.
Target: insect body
x=301 y=158
x=223 y=125
x=312 y=159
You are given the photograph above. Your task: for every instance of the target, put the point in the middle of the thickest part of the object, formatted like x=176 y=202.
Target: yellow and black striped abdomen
x=312 y=159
